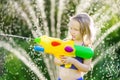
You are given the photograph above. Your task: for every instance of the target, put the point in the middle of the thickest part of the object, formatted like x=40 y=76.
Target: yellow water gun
x=58 y=47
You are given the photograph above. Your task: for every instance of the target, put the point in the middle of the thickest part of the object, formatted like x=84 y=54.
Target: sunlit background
x=23 y=20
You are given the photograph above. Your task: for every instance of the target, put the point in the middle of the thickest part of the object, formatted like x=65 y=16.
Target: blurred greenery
x=105 y=14
x=15 y=69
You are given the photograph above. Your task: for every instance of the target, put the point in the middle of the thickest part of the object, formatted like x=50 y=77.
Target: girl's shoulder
x=88 y=43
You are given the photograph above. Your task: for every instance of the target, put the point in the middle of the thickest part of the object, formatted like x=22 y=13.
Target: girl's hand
x=67 y=60
x=57 y=61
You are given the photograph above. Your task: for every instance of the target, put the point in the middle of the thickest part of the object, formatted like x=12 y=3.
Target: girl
x=80 y=32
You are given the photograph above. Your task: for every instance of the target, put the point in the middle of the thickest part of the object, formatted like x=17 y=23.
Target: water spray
x=16 y=36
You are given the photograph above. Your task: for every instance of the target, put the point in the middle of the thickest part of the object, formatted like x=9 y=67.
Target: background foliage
x=23 y=17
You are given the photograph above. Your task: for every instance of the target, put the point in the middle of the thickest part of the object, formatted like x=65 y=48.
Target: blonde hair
x=86 y=27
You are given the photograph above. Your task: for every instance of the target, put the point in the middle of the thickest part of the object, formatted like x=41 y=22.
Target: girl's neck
x=78 y=42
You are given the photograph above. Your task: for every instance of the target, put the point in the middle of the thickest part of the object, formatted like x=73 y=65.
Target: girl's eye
x=76 y=29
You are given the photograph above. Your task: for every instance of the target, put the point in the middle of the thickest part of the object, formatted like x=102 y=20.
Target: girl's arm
x=85 y=66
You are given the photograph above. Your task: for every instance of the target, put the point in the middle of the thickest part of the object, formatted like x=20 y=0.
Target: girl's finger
x=63 y=57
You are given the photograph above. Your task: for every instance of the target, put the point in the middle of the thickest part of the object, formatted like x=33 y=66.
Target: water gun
x=58 y=47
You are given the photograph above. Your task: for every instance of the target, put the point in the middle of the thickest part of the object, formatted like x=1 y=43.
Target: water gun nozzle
x=37 y=40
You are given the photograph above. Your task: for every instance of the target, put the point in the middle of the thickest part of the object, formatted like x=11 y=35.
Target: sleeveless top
x=77 y=58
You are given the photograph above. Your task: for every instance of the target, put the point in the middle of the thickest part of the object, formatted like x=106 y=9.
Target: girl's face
x=74 y=28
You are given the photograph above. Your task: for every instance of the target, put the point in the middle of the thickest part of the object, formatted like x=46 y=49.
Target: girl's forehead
x=74 y=23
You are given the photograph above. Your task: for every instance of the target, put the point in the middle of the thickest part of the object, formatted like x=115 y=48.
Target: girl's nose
x=73 y=32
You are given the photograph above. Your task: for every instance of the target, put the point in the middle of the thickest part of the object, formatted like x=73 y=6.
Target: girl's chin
x=73 y=38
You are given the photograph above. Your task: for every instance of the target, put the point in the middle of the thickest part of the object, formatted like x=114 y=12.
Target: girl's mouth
x=73 y=37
